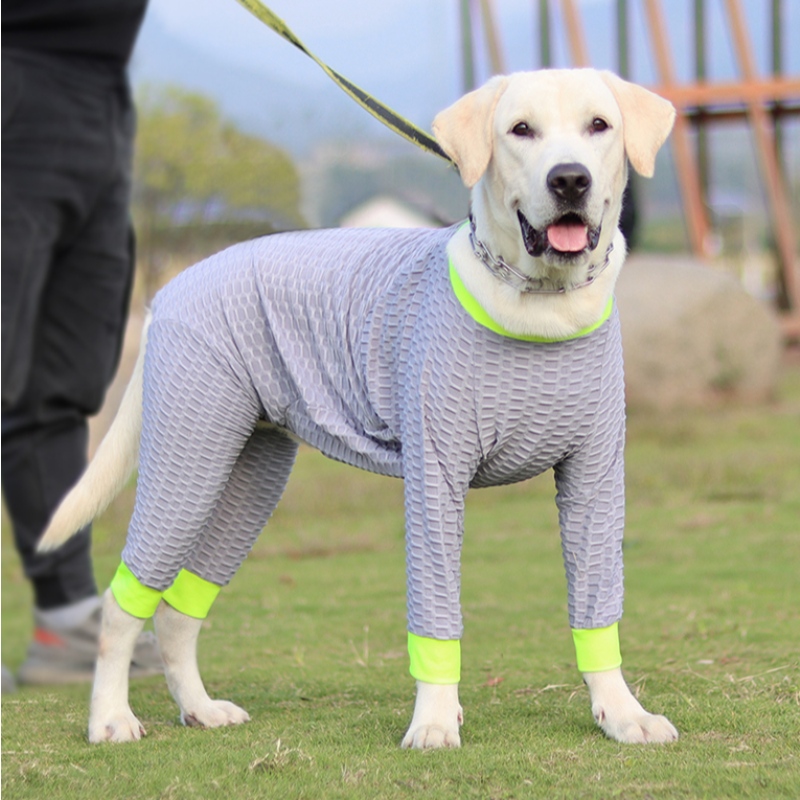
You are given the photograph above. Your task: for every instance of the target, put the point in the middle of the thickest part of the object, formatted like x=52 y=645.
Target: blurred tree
x=201 y=184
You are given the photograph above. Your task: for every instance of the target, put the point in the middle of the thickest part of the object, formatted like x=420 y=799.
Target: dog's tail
x=116 y=457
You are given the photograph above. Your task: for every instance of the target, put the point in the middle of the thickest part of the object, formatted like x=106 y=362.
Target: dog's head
x=546 y=156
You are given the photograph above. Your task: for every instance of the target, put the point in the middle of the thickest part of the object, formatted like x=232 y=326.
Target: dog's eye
x=523 y=129
x=599 y=125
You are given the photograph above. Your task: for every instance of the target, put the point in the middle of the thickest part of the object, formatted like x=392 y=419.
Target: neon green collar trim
x=478 y=313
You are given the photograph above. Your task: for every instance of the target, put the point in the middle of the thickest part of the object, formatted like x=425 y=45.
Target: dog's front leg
x=177 y=639
x=620 y=714
x=110 y=717
x=437 y=717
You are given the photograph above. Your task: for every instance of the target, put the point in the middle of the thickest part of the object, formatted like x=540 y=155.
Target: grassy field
x=310 y=638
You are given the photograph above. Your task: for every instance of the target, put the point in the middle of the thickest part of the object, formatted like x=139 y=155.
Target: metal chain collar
x=524 y=283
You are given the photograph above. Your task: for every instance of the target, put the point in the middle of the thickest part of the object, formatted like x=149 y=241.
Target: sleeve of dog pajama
x=434 y=532
x=440 y=455
x=591 y=503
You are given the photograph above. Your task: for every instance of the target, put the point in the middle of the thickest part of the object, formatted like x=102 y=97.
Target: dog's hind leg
x=250 y=496
x=253 y=490
x=177 y=636
x=111 y=718
x=186 y=467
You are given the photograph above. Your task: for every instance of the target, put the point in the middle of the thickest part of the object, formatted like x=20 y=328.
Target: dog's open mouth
x=567 y=236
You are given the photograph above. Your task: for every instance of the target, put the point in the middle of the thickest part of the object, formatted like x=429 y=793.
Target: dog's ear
x=464 y=130
x=647 y=120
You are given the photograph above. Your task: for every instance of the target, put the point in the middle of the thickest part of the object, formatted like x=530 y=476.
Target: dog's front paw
x=120 y=727
x=430 y=737
x=621 y=716
x=214 y=714
x=437 y=717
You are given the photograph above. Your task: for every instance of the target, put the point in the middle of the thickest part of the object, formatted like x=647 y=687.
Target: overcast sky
x=379 y=36
x=352 y=35
x=405 y=52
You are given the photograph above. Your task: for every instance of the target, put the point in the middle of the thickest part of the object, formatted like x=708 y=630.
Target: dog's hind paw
x=119 y=728
x=642 y=729
x=214 y=714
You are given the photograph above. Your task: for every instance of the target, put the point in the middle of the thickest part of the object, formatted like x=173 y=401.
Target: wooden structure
x=761 y=100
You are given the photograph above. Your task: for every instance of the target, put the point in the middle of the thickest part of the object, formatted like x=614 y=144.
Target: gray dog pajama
x=366 y=345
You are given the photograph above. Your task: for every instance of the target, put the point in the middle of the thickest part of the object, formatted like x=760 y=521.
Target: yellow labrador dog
x=469 y=357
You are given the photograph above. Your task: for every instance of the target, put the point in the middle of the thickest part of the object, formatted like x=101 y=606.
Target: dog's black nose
x=569 y=182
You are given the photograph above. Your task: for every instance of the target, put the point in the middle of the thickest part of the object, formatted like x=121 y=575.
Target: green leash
x=389 y=118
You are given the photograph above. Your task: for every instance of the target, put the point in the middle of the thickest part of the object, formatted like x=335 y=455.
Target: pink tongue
x=570 y=237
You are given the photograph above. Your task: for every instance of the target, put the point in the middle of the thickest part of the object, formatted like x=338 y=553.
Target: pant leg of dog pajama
x=253 y=491
x=199 y=456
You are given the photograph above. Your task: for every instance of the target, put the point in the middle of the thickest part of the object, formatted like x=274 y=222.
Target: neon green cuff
x=134 y=597
x=434 y=660
x=597 y=649
x=192 y=595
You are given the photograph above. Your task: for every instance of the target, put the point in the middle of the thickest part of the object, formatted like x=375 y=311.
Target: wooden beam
x=688 y=179
x=790 y=327
x=768 y=159
x=577 y=41
x=728 y=114
x=497 y=61
x=755 y=90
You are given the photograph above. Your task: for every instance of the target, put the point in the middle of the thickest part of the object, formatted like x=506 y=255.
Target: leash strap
x=389 y=118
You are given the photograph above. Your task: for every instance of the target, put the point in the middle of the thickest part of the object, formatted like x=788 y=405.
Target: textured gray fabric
x=355 y=342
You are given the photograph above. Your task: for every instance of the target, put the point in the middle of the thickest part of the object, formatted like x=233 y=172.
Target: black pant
x=67 y=266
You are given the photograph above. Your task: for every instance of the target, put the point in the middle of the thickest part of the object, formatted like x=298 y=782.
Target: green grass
x=310 y=638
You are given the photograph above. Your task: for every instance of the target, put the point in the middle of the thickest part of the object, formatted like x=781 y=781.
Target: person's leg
x=67 y=269
x=44 y=434
x=44 y=453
